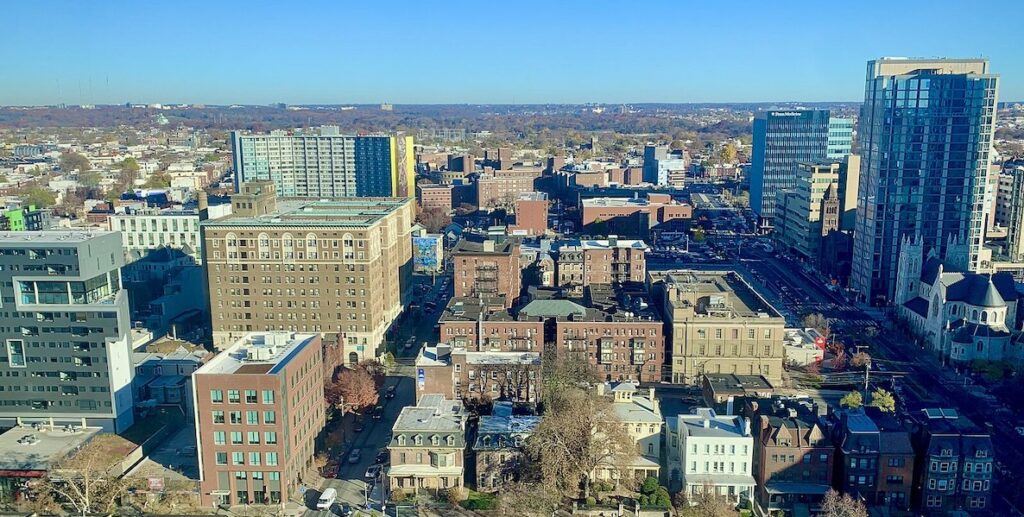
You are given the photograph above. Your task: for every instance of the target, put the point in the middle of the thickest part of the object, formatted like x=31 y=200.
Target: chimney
x=707 y=423
x=489 y=246
x=746 y=427
x=204 y=206
x=600 y=389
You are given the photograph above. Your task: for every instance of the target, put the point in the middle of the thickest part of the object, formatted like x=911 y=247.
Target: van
x=326 y=499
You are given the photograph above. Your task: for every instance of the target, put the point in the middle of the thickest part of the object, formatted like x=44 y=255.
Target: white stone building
x=640 y=412
x=707 y=450
x=959 y=315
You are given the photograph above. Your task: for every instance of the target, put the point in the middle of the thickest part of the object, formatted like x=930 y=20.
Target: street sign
x=156 y=484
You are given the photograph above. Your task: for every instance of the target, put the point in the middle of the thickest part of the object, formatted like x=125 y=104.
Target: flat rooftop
x=743 y=300
x=260 y=353
x=28 y=448
x=723 y=383
x=353 y=212
x=433 y=413
x=45 y=237
x=706 y=424
x=474 y=244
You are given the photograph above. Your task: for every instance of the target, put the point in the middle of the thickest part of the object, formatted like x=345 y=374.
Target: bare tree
x=817 y=321
x=513 y=380
x=579 y=435
x=860 y=360
x=835 y=505
x=86 y=480
x=529 y=499
x=706 y=502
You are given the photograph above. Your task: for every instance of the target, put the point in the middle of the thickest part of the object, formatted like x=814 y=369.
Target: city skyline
x=410 y=55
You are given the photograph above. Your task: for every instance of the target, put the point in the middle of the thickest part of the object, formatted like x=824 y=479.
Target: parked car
x=383 y=456
x=326 y=499
x=355 y=456
x=378 y=412
x=372 y=472
x=389 y=393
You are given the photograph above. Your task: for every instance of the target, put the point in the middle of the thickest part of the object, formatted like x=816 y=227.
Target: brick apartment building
x=434 y=196
x=258 y=408
x=499 y=187
x=580 y=263
x=487 y=267
x=954 y=464
x=323 y=266
x=633 y=213
x=874 y=458
x=793 y=460
x=531 y=214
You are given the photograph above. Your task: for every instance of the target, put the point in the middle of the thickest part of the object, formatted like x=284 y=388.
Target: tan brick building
x=501 y=187
x=328 y=266
x=259 y=406
x=427 y=444
x=531 y=214
x=487 y=267
x=720 y=324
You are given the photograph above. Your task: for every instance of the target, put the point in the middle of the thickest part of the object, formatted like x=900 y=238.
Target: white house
x=705 y=449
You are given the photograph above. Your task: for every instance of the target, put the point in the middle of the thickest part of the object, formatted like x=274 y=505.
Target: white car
x=326 y=499
x=372 y=472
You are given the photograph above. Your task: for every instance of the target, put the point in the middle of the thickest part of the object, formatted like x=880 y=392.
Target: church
x=961 y=316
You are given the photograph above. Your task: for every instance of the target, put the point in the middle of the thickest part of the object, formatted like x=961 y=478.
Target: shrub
x=591 y=501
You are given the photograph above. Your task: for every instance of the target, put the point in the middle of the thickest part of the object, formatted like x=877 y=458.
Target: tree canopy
x=852 y=400
x=71 y=161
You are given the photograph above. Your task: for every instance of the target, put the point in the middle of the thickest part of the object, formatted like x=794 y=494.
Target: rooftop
x=258 y=353
x=51 y=236
x=720 y=293
x=433 y=413
x=352 y=212
x=724 y=383
x=35 y=448
x=705 y=423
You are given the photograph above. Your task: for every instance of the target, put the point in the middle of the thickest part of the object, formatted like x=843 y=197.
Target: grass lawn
x=479 y=501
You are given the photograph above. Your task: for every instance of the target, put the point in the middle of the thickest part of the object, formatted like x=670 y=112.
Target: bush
x=398 y=496
x=650 y=486
x=591 y=501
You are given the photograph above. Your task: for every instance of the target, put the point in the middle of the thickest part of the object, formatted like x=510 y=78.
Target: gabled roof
x=918 y=305
x=966 y=331
x=556 y=308
x=981 y=290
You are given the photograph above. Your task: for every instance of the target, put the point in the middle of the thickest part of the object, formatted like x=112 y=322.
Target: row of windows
x=252 y=437
x=235 y=396
x=251 y=417
x=239 y=458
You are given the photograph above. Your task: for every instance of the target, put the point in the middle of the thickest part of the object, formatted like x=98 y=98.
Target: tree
x=835 y=505
x=528 y=498
x=860 y=360
x=86 y=480
x=465 y=209
x=72 y=161
x=38 y=197
x=355 y=388
x=817 y=321
x=727 y=154
x=705 y=503
x=883 y=400
x=434 y=219
x=852 y=400
x=158 y=180
x=129 y=168
x=566 y=371
x=579 y=434
x=89 y=178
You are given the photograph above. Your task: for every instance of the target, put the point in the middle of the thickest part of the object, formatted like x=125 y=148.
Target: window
x=254 y=458
x=216 y=396
x=218 y=438
x=236 y=437
x=16 y=353
x=236 y=417
x=250 y=396
x=222 y=458
x=237 y=458
x=218 y=417
x=270 y=437
x=234 y=397
x=269 y=417
x=272 y=459
x=252 y=417
x=896 y=462
x=253 y=437
x=268 y=397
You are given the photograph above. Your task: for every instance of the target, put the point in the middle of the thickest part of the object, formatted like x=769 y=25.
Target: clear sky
x=483 y=51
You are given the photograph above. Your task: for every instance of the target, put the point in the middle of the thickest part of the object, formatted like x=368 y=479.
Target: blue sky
x=256 y=52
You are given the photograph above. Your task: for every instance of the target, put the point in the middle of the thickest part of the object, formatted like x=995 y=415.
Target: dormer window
x=435 y=440
x=401 y=440
x=418 y=440
x=982 y=453
x=451 y=441
x=487 y=441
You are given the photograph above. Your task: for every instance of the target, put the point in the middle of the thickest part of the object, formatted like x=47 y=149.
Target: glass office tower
x=925 y=133
x=782 y=139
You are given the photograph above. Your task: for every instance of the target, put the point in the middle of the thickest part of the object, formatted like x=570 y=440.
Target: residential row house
x=874 y=458
x=427 y=447
x=487 y=266
x=499 y=444
x=710 y=451
x=954 y=463
x=580 y=263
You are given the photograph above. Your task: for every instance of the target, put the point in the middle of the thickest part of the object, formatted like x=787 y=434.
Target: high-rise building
x=1015 y=226
x=326 y=164
x=782 y=139
x=258 y=408
x=824 y=199
x=326 y=266
x=660 y=162
x=925 y=134
x=67 y=351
